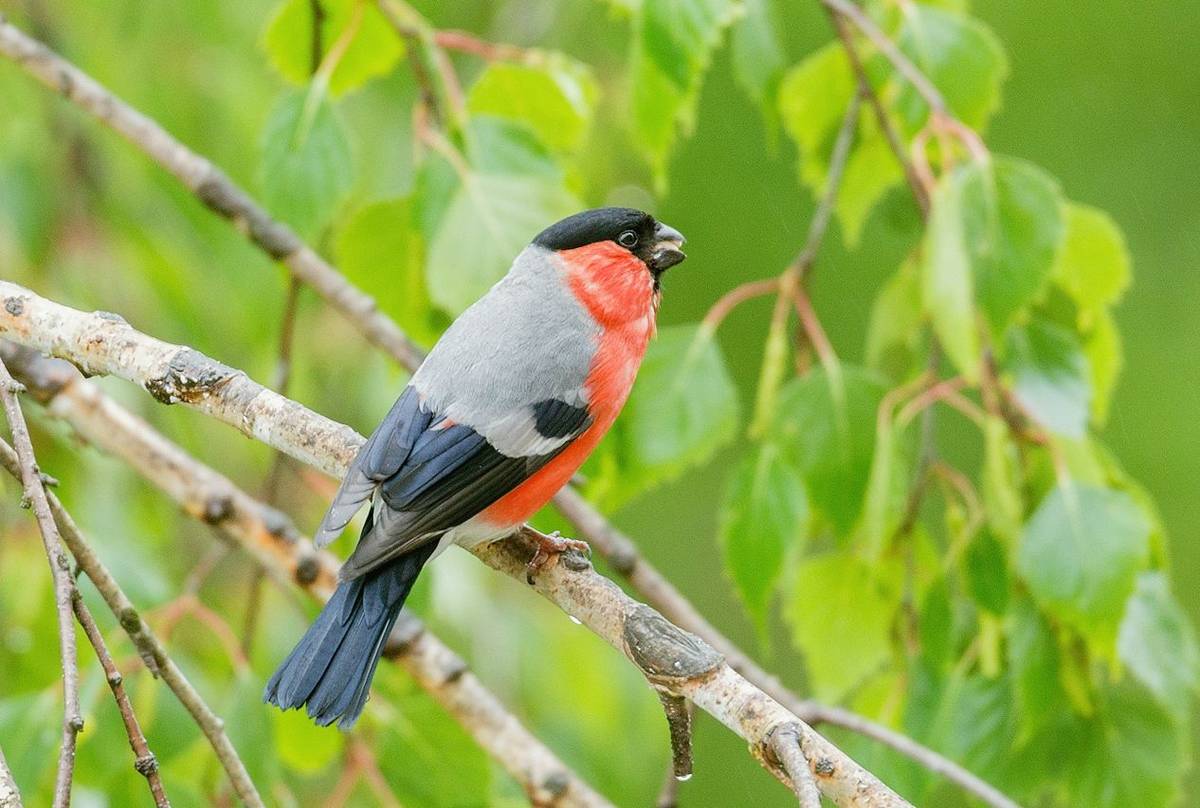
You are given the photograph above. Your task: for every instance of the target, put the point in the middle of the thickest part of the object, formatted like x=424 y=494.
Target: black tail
x=331 y=667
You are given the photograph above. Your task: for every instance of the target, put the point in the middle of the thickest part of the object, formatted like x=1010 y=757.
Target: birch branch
x=674 y=661
x=64 y=585
x=270 y=538
x=152 y=652
x=10 y=795
x=214 y=189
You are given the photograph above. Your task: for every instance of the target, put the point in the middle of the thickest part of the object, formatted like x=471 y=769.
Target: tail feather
x=331 y=668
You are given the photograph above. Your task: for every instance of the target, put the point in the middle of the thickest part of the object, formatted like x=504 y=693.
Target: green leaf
x=683 y=407
x=1093 y=263
x=870 y=171
x=505 y=194
x=1013 y=224
x=1131 y=753
x=1033 y=659
x=960 y=55
x=828 y=422
x=555 y=98
x=987 y=573
x=1050 y=377
x=937 y=625
x=674 y=41
x=894 y=330
x=1158 y=643
x=251 y=732
x=288 y=41
x=1002 y=499
x=757 y=54
x=812 y=103
x=1081 y=552
x=992 y=237
x=302 y=746
x=763 y=514
x=947 y=285
x=306 y=163
x=380 y=248
x=1102 y=347
x=841 y=613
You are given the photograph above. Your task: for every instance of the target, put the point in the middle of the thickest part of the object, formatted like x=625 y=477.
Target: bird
x=498 y=417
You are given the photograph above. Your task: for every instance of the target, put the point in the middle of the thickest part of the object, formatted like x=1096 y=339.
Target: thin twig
x=676 y=662
x=64 y=585
x=149 y=648
x=10 y=795
x=919 y=190
x=736 y=297
x=269 y=537
x=144 y=761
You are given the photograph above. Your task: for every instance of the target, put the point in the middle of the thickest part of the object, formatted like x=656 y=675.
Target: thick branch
x=149 y=648
x=144 y=761
x=269 y=537
x=212 y=187
x=64 y=585
x=677 y=662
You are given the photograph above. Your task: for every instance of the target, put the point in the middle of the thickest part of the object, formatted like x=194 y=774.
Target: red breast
x=619 y=293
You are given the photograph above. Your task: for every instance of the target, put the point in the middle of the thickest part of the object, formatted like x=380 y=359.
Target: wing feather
x=426 y=476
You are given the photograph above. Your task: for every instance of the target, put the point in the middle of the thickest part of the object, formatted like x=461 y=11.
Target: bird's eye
x=628 y=239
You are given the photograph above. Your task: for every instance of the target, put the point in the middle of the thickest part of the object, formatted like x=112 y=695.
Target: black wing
x=428 y=478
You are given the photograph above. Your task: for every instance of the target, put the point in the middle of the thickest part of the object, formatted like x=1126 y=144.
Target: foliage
x=1019 y=617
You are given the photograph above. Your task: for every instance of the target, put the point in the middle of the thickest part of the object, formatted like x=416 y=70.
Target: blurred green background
x=1101 y=94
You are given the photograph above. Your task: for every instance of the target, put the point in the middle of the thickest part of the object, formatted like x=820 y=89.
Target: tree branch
x=10 y=795
x=144 y=761
x=149 y=648
x=64 y=586
x=675 y=661
x=270 y=538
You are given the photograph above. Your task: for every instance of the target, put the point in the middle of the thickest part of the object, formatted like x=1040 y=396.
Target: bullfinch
x=499 y=416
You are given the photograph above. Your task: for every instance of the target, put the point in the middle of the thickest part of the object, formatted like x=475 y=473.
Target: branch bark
x=270 y=538
x=64 y=586
x=144 y=761
x=673 y=660
x=10 y=795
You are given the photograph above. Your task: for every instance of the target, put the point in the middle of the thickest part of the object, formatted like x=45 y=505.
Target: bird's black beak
x=666 y=252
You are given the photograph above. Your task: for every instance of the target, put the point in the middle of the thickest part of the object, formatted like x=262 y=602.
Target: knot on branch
x=307 y=569
x=146 y=765
x=217 y=508
x=666 y=653
x=189 y=378
x=14 y=306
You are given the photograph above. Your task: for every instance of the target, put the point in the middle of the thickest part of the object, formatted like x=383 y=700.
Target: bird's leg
x=548 y=548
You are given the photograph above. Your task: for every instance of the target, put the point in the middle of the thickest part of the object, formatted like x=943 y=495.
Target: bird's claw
x=549 y=548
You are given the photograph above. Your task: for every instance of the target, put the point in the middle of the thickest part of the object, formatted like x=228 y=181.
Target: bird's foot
x=548 y=549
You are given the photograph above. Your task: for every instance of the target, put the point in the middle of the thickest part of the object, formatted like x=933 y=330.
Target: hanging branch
x=144 y=761
x=64 y=586
x=211 y=186
x=676 y=662
x=270 y=538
